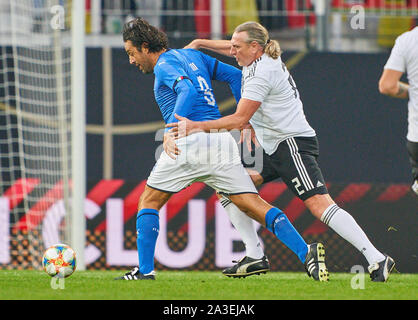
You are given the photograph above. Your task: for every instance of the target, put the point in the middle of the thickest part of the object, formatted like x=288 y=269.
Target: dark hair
x=139 y=31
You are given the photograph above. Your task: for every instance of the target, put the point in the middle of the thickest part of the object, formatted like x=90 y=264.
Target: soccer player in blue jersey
x=183 y=86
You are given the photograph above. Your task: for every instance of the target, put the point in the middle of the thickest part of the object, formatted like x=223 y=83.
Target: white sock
x=345 y=225
x=245 y=227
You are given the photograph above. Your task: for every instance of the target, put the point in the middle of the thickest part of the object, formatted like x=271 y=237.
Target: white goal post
x=78 y=107
x=42 y=129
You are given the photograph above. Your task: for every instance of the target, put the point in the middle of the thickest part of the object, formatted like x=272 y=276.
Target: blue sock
x=147 y=228
x=279 y=224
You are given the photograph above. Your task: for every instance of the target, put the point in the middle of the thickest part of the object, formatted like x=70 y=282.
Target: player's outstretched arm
x=245 y=110
x=390 y=85
x=219 y=46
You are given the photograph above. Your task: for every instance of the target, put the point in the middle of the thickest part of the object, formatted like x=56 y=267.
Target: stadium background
x=362 y=155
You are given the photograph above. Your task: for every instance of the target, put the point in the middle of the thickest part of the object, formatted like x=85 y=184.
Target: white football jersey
x=404 y=58
x=280 y=115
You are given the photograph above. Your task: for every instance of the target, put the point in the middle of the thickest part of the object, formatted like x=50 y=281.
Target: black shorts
x=412 y=148
x=295 y=162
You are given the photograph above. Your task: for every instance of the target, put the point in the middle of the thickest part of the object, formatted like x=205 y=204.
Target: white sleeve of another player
x=397 y=59
x=257 y=88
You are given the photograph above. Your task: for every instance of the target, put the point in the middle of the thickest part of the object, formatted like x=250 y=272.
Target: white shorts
x=212 y=158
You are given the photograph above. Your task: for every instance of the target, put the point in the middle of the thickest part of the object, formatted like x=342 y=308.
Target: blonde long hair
x=256 y=32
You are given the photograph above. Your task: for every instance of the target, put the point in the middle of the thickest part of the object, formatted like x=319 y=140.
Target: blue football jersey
x=193 y=99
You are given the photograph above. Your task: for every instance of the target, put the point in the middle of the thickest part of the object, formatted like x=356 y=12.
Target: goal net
x=35 y=129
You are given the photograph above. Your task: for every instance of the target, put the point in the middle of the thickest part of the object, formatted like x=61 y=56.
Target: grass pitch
x=198 y=285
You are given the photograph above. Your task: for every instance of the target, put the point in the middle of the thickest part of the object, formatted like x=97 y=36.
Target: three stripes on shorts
x=297 y=159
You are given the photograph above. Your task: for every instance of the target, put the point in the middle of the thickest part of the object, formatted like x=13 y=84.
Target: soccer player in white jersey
x=404 y=58
x=183 y=85
x=271 y=105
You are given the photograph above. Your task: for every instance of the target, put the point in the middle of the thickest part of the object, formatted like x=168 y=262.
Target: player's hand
x=248 y=136
x=170 y=146
x=183 y=127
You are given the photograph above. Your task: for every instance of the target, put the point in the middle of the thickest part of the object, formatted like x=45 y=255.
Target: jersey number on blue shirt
x=207 y=91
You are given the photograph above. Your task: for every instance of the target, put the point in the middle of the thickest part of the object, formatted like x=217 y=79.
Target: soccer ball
x=59 y=260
